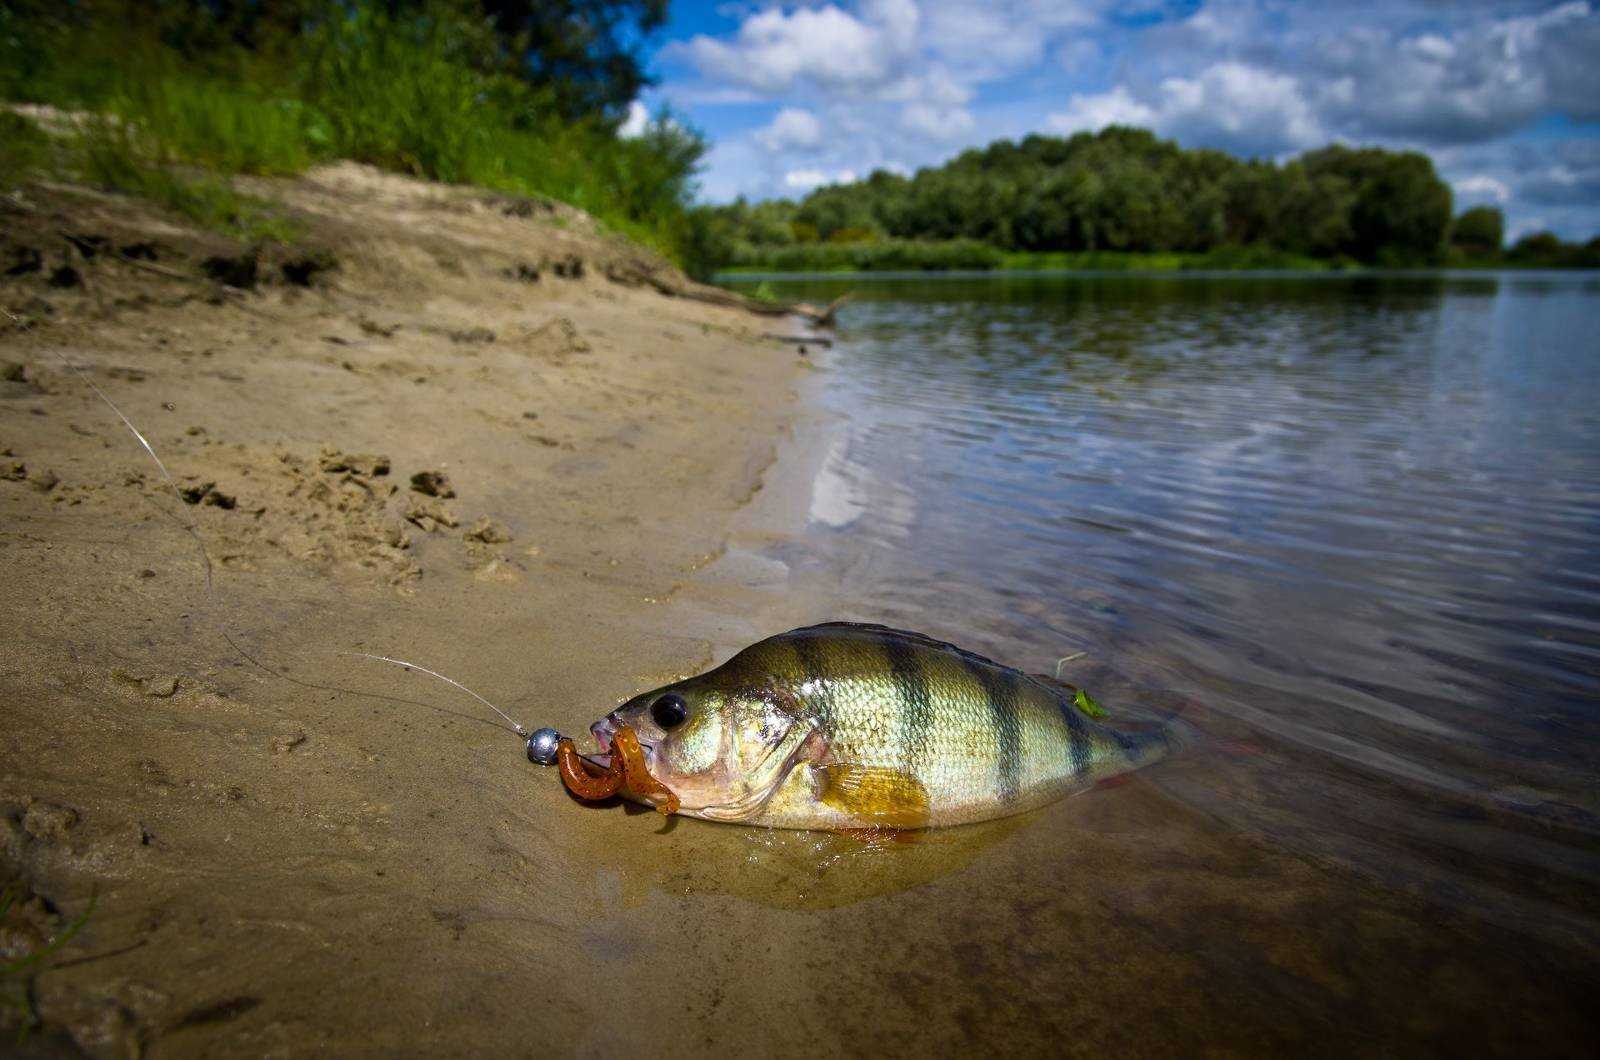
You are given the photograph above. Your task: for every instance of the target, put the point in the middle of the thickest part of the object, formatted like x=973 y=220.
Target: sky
x=1504 y=96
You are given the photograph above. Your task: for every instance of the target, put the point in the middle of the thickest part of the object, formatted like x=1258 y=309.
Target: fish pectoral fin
x=876 y=796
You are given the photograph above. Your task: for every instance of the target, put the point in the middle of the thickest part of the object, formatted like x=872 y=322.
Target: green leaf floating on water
x=1085 y=702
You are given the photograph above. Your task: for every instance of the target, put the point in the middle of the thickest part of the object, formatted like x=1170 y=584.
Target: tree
x=1480 y=231
x=586 y=52
x=1401 y=210
x=584 y=55
x=1537 y=248
x=1126 y=189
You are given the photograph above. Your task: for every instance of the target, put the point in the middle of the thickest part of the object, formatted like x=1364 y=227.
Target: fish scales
x=880 y=727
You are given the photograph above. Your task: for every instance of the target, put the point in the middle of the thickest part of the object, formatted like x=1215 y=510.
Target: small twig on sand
x=804 y=340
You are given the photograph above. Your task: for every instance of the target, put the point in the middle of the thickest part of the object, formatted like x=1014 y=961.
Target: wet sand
x=317 y=858
x=350 y=859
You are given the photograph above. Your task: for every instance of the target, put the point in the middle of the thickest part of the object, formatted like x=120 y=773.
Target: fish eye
x=669 y=710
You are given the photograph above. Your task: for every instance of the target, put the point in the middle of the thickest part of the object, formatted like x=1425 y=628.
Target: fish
x=846 y=726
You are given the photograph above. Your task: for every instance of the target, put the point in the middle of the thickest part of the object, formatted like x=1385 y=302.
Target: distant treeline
x=521 y=96
x=1126 y=192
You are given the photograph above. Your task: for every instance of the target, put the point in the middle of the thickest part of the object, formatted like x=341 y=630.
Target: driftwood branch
x=667 y=281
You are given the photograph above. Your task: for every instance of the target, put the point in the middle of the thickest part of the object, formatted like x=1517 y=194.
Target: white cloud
x=1240 y=108
x=1568 y=175
x=935 y=85
x=807 y=179
x=913 y=81
x=1482 y=187
x=637 y=121
x=999 y=36
x=933 y=122
x=1092 y=113
x=775 y=50
x=1229 y=105
x=792 y=129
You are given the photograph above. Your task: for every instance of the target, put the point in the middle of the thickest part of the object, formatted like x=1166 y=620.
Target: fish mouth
x=603 y=732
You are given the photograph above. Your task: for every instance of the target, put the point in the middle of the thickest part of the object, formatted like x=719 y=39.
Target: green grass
x=109 y=155
x=1222 y=258
x=226 y=128
x=965 y=254
x=15 y=996
x=25 y=150
x=402 y=93
x=882 y=256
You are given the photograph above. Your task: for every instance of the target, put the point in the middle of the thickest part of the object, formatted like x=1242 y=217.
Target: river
x=1345 y=526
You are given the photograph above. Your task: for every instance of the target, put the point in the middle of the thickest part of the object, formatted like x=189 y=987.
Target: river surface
x=1348 y=528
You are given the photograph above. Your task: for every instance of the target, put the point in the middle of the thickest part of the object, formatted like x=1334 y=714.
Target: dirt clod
x=428 y=517
x=488 y=531
x=161 y=687
x=196 y=493
x=556 y=339
x=525 y=207
x=473 y=336
x=303 y=271
x=47 y=822
x=432 y=484
x=371 y=465
x=44 y=481
x=240 y=271
x=24 y=260
x=282 y=745
x=87 y=245
x=144 y=250
x=65 y=276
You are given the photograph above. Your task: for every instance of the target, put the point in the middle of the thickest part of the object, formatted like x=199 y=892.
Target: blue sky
x=1504 y=96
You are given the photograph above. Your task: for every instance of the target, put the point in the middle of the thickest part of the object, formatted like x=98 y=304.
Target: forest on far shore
x=1123 y=197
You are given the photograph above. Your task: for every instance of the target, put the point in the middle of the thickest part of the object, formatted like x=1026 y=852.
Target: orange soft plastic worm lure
x=626 y=774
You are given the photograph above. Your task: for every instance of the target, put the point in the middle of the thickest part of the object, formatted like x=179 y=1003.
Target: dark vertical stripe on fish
x=1000 y=690
x=1078 y=752
x=814 y=670
x=916 y=709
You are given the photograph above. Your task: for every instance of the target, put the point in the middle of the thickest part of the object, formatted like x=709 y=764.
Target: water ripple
x=1358 y=519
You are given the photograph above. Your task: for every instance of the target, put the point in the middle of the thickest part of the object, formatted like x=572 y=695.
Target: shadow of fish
x=845 y=726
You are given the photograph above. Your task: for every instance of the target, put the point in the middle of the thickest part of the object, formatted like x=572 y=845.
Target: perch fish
x=845 y=726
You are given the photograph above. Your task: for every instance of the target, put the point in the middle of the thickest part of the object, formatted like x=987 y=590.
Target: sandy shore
x=561 y=490
x=292 y=850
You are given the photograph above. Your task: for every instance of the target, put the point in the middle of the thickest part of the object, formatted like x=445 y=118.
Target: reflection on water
x=1351 y=524
x=796 y=870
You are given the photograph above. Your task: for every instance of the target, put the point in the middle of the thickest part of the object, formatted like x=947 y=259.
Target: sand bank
x=478 y=441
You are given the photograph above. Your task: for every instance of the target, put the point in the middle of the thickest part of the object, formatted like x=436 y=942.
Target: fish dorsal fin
x=1072 y=694
x=904 y=634
x=876 y=796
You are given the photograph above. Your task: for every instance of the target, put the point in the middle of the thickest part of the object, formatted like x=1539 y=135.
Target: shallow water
x=1349 y=527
